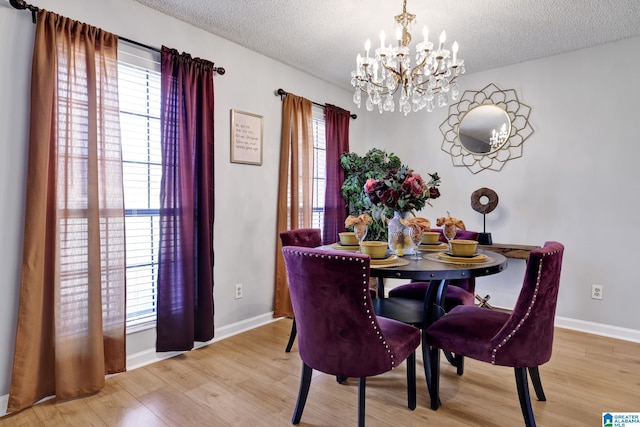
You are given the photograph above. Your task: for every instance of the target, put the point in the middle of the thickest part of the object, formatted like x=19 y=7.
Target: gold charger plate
x=339 y=246
x=433 y=248
x=391 y=261
x=382 y=261
x=462 y=260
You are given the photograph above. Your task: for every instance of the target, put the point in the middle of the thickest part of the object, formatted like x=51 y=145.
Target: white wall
x=14 y=120
x=576 y=176
x=245 y=202
x=577 y=181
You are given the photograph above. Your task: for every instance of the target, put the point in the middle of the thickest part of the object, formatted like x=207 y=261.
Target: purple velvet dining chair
x=338 y=332
x=308 y=238
x=522 y=340
x=459 y=292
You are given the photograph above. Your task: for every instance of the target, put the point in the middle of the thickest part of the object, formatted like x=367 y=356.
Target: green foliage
x=375 y=164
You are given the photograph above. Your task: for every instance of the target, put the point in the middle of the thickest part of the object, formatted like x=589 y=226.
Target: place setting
x=460 y=252
x=351 y=240
x=348 y=242
x=380 y=257
x=354 y=241
x=431 y=242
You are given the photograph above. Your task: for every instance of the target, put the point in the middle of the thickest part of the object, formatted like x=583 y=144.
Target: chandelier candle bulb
x=454 y=48
x=443 y=38
x=367 y=46
x=425 y=33
x=382 y=38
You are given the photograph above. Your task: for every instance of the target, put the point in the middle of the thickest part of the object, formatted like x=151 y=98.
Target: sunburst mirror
x=486 y=128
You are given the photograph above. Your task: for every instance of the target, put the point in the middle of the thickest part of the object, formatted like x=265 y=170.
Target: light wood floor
x=248 y=380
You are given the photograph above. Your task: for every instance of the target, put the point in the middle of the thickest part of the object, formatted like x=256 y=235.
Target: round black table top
x=427 y=268
x=439 y=274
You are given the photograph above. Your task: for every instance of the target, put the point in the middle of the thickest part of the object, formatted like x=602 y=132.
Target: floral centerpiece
x=375 y=163
x=401 y=192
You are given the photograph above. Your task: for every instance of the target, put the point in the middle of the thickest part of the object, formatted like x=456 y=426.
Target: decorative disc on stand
x=484 y=200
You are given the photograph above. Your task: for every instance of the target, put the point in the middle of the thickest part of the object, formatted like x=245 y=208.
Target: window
x=139 y=91
x=319 y=167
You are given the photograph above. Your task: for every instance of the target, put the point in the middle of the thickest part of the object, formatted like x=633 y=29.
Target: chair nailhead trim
x=365 y=283
x=529 y=309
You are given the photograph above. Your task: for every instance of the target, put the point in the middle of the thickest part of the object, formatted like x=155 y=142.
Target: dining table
x=430 y=267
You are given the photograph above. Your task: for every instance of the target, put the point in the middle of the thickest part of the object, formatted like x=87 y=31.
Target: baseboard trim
x=609 y=331
x=146 y=357
x=4 y=404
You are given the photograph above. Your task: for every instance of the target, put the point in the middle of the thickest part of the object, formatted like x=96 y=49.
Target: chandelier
x=389 y=71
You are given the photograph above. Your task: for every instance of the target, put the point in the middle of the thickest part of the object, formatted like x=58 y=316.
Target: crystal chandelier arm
x=397 y=74
x=381 y=88
x=362 y=83
x=418 y=67
x=420 y=87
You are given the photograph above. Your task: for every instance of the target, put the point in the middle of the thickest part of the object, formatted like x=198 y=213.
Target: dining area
x=429 y=315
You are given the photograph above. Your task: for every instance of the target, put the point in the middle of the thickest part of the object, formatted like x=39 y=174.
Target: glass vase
x=400 y=235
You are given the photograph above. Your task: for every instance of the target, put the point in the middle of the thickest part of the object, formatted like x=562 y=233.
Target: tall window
x=139 y=86
x=319 y=167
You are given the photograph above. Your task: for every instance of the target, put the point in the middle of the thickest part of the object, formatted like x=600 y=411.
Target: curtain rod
x=282 y=93
x=23 y=5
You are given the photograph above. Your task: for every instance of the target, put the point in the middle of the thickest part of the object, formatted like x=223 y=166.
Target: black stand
x=484 y=238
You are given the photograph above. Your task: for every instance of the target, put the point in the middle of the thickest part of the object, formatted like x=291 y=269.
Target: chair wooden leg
x=455 y=360
x=292 y=336
x=459 y=364
x=425 y=361
x=433 y=358
x=362 y=386
x=523 y=395
x=537 y=384
x=305 y=382
x=450 y=357
x=411 y=381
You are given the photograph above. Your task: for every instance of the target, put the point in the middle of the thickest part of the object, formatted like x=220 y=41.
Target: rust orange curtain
x=295 y=186
x=71 y=317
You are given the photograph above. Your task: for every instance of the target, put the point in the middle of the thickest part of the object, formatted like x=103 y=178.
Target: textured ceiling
x=322 y=37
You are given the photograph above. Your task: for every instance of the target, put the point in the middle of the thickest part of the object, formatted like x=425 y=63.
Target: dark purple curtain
x=335 y=208
x=185 y=277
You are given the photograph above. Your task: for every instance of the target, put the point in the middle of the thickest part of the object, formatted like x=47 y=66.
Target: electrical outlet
x=596 y=291
x=238 y=290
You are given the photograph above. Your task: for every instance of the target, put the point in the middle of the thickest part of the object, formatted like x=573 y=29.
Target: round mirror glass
x=484 y=129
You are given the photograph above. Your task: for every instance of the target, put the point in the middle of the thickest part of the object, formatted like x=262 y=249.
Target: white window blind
x=319 y=167
x=139 y=87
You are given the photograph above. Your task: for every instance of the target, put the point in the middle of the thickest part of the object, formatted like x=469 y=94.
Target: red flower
x=413 y=185
x=389 y=197
x=370 y=184
x=434 y=193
